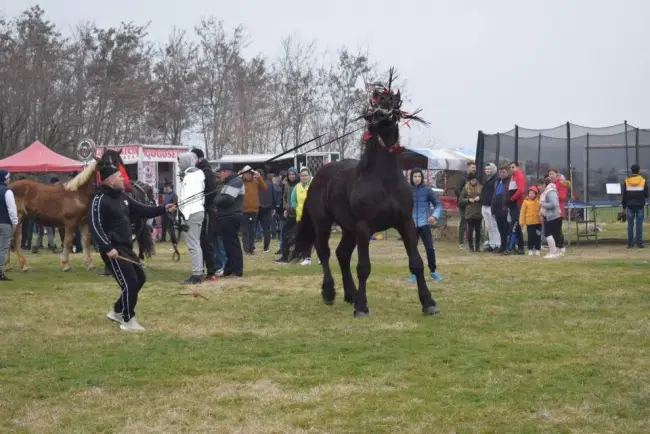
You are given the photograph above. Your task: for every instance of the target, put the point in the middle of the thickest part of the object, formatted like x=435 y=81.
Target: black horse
x=142 y=193
x=364 y=197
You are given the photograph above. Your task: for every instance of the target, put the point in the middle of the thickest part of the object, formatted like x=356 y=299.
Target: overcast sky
x=470 y=64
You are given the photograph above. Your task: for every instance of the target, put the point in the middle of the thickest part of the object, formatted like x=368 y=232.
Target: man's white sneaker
x=114 y=316
x=306 y=261
x=551 y=256
x=219 y=272
x=131 y=326
x=531 y=252
x=536 y=252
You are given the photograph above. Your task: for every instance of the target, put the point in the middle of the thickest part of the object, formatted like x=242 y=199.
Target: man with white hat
x=8 y=219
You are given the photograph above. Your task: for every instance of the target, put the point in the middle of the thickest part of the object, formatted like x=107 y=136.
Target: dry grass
x=522 y=345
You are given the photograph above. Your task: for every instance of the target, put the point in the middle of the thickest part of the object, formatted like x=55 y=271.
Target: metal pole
x=586 y=192
x=568 y=148
x=539 y=153
x=627 y=160
x=516 y=143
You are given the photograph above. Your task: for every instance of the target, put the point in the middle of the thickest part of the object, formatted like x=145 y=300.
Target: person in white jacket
x=8 y=220
x=190 y=202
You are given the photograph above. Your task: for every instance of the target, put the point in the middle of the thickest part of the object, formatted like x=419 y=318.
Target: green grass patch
x=523 y=345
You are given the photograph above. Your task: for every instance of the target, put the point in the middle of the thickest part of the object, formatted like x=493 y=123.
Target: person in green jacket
x=289 y=213
x=470 y=200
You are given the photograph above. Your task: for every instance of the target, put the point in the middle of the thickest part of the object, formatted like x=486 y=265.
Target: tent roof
x=443 y=159
x=39 y=158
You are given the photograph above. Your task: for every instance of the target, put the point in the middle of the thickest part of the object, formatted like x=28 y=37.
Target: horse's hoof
x=24 y=269
x=7 y=269
x=91 y=267
x=348 y=300
x=361 y=314
x=431 y=310
x=328 y=302
x=67 y=267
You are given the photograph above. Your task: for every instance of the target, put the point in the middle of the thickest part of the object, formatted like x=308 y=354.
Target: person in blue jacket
x=424 y=217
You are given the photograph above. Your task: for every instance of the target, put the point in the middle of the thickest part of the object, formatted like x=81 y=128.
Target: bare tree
x=220 y=55
x=295 y=90
x=172 y=109
x=344 y=97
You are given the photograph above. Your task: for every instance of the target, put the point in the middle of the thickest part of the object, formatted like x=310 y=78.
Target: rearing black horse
x=364 y=197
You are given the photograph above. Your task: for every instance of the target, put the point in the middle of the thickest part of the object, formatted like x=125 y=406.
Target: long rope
x=200 y=196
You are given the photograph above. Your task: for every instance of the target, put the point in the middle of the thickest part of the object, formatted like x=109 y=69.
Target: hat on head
x=4 y=175
x=107 y=170
x=246 y=169
x=199 y=153
x=534 y=188
x=225 y=166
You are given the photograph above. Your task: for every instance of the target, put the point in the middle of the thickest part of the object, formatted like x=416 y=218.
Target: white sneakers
x=114 y=316
x=306 y=261
x=129 y=326
x=533 y=253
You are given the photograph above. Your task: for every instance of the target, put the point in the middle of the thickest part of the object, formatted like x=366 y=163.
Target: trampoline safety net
x=589 y=157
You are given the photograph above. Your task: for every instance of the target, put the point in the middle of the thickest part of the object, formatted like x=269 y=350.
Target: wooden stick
x=130 y=260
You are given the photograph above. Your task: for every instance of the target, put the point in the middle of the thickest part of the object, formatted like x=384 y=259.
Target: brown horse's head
x=113 y=158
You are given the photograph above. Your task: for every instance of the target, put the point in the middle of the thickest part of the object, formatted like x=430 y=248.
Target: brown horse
x=63 y=205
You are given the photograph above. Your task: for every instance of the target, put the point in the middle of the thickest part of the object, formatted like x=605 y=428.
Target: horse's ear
x=119 y=152
x=97 y=159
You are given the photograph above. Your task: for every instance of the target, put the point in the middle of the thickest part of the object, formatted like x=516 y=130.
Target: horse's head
x=113 y=158
x=383 y=115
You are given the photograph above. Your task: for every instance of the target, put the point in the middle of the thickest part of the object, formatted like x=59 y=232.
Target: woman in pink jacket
x=563 y=192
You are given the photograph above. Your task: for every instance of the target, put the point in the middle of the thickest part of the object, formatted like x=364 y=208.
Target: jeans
x=220 y=253
x=281 y=223
x=514 y=210
x=230 y=236
x=6 y=235
x=248 y=228
x=461 y=227
x=504 y=231
x=424 y=232
x=635 y=213
x=264 y=217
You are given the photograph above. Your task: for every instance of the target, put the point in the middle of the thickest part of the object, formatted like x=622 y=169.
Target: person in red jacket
x=563 y=193
x=516 y=194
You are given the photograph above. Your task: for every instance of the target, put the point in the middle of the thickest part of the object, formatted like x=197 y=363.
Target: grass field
x=523 y=345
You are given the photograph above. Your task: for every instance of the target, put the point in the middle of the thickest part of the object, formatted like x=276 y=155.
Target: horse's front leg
x=416 y=266
x=87 y=246
x=344 y=255
x=67 y=248
x=363 y=269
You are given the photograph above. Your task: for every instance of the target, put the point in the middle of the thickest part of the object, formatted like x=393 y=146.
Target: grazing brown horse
x=63 y=205
x=364 y=197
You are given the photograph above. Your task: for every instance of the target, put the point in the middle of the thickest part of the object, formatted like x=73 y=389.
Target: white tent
x=443 y=159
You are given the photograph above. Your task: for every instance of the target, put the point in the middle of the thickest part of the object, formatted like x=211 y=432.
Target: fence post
x=568 y=149
x=539 y=154
x=516 y=143
x=627 y=160
x=586 y=192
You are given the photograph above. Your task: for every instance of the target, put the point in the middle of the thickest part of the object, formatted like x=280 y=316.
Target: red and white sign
x=148 y=173
x=130 y=153
x=161 y=154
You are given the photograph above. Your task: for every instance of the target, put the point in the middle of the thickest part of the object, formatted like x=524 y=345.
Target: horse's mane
x=82 y=179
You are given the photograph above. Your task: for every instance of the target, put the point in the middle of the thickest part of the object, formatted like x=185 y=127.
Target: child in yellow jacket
x=529 y=217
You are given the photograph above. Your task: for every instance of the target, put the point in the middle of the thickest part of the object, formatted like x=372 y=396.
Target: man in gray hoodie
x=487 y=194
x=190 y=204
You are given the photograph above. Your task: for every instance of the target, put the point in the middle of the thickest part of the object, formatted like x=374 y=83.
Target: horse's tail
x=145 y=240
x=304 y=234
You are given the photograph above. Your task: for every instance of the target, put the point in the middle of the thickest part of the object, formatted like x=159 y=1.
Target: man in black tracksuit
x=209 y=221
x=230 y=204
x=110 y=226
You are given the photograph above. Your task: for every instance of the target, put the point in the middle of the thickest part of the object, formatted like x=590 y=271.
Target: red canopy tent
x=39 y=158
